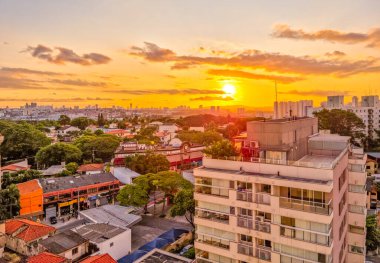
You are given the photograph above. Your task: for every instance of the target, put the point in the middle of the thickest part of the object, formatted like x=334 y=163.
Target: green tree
x=148 y=163
x=121 y=125
x=101 y=120
x=98 y=132
x=221 y=149
x=373 y=233
x=81 y=122
x=72 y=167
x=146 y=135
x=64 y=120
x=102 y=146
x=231 y=131
x=204 y=138
x=184 y=205
x=21 y=141
x=190 y=253
x=342 y=122
x=57 y=153
x=9 y=202
x=133 y=195
x=19 y=177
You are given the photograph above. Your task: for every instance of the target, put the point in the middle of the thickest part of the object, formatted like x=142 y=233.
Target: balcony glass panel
x=306 y=236
x=249 y=223
x=211 y=190
x=212 y=215
x=244 y=196
x=307 y=206
x=213 y=241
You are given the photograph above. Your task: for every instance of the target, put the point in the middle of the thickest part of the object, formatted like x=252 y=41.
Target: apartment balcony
x=306 y=206
x=306 y=236
x=258 y=198
x=260 y=252
x=249 y=223
x=212 y=190
x=213 y=241
x=211 y=215
x=291 y=259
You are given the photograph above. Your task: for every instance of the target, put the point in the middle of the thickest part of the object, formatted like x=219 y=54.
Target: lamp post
x=1 y=171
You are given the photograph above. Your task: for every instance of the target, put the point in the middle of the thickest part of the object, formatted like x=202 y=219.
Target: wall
x=121 y=245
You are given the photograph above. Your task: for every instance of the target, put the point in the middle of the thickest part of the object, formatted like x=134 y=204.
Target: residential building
x=46 y=257
x=23 y=235
x=91 y=168
x=355 y=102
x=54 y=169
x=62 y=194
x=286 y=109
x=370 y=101
x=31 y=200
x=335 y=102
x=295 y=195
x=68 y=244
x=107 y=238
x=104 y=258
x=67 y=129
x=124 y=174
x=171 y=128
x=120 y=216
x=15 y=167
x=2 y=238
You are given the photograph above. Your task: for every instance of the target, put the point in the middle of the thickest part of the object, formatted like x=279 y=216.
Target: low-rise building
x=31 y=200
x=68 y=244
x=107 y=238
x=15 y=167
x=124 y=174
x=104 y=258
x=91 y=168
x=65 y=130
x=23 y=236
x=54 y=169
x=46 y=257
x=3 y=238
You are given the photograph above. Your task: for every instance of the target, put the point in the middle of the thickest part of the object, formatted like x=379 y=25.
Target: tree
x=22 y=140
x=57 y=153
x=99 y=146
x=9 y=202
x=204 y=138
x=231 y=131
x=71 y=167
x=101 y=120
x=221 y=149
x=121 y=125
x=342 y=122
x=184 y=205
x=146 y=135
x=133 y=195
x=81 y=122
x=148 y=163
x=64 y=120
x=373 y=233
x=19 y=177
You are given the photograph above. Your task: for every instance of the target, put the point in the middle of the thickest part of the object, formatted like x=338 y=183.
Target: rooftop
x=161 y=256
x=62 y=183
x=99 y=233
x=105 y=258
x=29 y=187
x=90 y=167
x=46 y=257
x=27 y=230
x=283 y=120
x=63 y=241
x=116 y=215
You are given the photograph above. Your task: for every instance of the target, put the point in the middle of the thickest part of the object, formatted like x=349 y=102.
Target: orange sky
x=170 y=53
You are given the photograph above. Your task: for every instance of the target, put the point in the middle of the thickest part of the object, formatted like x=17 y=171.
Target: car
x=53 y=220
x=185 y=249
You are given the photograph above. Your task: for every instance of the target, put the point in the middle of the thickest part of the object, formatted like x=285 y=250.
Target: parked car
x=53 y=220
x=185 y=249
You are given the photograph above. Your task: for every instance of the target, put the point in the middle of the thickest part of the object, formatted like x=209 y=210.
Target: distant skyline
x=170 y=53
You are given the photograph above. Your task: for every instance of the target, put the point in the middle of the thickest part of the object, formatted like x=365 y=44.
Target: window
x=356 y=229
x=355 y=249
x=245 y=212
x=111 y=244
x=92 y=190
x=74 y=251
x=342 y=180
x=246 y=238
x=356 y=209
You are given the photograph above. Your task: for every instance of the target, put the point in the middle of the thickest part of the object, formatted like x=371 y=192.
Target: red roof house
x=46 y=257
x=105 y=258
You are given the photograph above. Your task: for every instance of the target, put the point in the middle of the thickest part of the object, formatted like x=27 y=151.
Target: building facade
x=295 y=195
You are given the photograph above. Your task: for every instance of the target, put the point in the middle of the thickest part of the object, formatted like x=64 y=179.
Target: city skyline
x=190 y=53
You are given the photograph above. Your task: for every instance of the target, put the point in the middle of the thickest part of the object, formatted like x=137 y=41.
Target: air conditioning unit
x=254 y=144
x=259 y=218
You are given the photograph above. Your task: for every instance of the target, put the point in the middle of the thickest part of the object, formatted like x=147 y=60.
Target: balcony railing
x=211 y=190
x=290 y=259
x=262 y=198
x=307 y=236
x=246 y=196
x=258 y=198
x=213 y=240
x=249 y=223
x=212 y=215
x=305 y=205
x=247 y=249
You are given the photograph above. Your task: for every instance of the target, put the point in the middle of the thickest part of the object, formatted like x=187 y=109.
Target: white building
x=66 y=129
x=335 y=102
x=171 y=128
x=287 y=109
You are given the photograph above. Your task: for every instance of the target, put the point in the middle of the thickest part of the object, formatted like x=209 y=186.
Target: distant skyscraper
x=370 y=101
x=355 y=101
x=287 y=109
x=335 y=102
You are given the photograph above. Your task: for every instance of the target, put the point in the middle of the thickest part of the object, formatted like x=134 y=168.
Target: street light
x=1 y=171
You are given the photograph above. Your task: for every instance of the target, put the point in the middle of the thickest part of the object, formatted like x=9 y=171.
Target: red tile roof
x=105 y=258
x=46 y=257
x=28 y=187
x=28 y=230
x=90 y=167
x=13 y=167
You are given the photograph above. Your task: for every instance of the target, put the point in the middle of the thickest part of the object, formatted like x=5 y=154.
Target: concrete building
x=335 y=102
x=286 y=109
x=296 y=195
x=355 y=102
x=107 y=238
x=369 y=101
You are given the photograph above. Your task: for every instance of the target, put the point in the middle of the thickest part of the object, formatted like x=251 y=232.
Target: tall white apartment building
x=287 y=109
x=294 y=196
x=335 y=102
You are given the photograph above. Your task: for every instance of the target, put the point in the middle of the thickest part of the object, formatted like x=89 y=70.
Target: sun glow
x=229 y=89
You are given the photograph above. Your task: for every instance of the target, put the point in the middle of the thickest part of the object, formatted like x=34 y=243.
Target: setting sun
x=229 y=89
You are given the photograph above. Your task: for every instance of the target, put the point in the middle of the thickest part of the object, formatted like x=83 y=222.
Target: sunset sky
x=170 y=53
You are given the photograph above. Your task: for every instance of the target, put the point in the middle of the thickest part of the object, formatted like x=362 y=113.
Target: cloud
x=248 y=75
x=315 y=93
x=371 y=39
x=61 y=56
x=336 y=54
x=258 y=60
x=170 y=76
x=79 y=82
x=165 y=91
x=212 y=98
x=32 y=72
